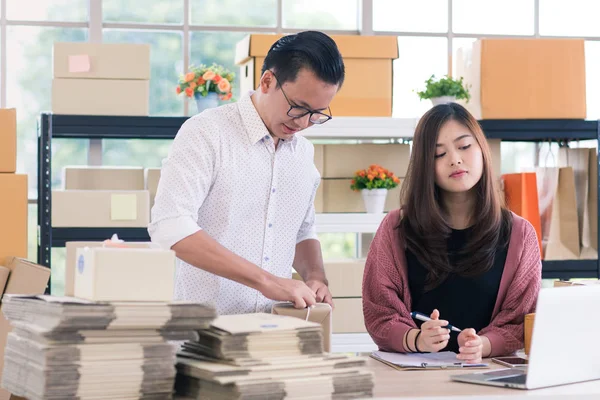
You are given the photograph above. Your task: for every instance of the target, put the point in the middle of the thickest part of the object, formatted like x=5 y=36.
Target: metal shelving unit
x=122 y=127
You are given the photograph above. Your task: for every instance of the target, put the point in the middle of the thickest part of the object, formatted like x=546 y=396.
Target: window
x=506 y=17
x=318 y=14
x=420 y=57
x=143 y=11
x=410 y=16
x=259 y=13
x=47 y=10
x=569 y=18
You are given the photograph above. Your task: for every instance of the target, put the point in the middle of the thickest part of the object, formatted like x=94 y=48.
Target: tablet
x=511 y=362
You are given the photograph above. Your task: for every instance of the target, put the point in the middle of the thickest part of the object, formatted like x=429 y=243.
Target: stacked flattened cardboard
x=63 y=347
x=258 y=356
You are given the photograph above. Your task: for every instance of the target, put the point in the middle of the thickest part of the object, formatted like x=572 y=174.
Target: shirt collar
x=255 y=127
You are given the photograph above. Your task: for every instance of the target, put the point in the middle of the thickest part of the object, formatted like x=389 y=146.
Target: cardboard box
x=152 y=176
x=345 y=277
x=348 y=316
x=25 y=278
x=8 y=140
x=101 y=61
x=335 y=196
x=71 y=260
x=125 y=274
x=343 y=160
x=365 y=57
x=13 y=216
x=528 y=331
x=103 y=178
x=524 y=78
x=100 y=97
x=100 y=208
x=320 y=313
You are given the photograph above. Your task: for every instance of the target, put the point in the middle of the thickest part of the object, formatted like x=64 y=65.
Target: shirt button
x=273 y=190
x=270 y=225
x=266 y=258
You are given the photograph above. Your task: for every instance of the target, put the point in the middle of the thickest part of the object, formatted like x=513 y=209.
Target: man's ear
x=266 y=81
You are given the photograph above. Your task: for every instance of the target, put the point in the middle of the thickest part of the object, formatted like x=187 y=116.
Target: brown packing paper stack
x=118 y=75
x=364 y=56
x=67 y=348
x=509 y=78
x=337 y=164
x=18 y=277
x=584 y=162
x=558 y=210
x=267 y=355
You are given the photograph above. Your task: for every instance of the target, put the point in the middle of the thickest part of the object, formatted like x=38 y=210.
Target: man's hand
x=322 y=292
x=433 y=337
x=281 y=289
x=470 y=346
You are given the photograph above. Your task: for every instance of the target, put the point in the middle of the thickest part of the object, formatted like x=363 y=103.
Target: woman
x=453 y=251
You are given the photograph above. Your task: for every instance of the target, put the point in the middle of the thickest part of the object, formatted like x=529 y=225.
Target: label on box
x=80 y=264
x=123 y=207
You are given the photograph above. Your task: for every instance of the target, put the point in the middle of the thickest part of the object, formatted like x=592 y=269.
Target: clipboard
x=424 y=361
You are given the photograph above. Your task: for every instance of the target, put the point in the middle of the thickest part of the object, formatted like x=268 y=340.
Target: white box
x=101 y=60
x=100 y=97
x=125 y=274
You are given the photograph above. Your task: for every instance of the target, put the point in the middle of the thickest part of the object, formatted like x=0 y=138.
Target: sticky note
x=79 y=63
x=123 y=207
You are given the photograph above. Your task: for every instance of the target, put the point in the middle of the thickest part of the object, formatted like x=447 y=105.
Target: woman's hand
x=433 y=337
x=470 y=346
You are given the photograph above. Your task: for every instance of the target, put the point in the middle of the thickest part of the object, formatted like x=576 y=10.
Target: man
x=236 y=195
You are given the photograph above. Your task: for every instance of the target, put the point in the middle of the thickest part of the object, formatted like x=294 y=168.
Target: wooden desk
x=393 y=384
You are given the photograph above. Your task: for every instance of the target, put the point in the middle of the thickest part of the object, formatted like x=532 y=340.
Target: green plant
x=204 y=79
x=445 y=86
x=374 y=177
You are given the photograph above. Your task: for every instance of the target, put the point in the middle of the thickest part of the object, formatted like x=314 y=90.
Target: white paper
x=423 y=360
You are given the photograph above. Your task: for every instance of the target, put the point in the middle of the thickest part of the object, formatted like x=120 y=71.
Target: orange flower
x=373 y=166
x=193 y=85
x=178 y=89
x=217 y=78
x=189 y=76
x=353 y=181
x=382 y=175
x=226 y=96
x=370 y=177
x=208 y=75
x=362 y=174
x=189 y=92
x=200 y=81
x=395 y=179
x=224 y=85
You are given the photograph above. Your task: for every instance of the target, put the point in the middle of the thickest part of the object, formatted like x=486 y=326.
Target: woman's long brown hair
x=424 y=225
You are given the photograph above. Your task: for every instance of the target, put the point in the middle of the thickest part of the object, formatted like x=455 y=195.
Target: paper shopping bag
x=558 y=211
x=521 y=194
x=584 y=162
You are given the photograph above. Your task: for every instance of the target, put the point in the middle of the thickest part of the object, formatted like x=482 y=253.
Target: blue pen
x=423 y=317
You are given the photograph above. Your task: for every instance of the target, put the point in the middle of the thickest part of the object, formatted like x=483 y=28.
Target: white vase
x=374 y=200
x=443 y=100
x=211 y=100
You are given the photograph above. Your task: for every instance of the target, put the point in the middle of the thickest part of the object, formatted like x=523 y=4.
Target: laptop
x=564 y=343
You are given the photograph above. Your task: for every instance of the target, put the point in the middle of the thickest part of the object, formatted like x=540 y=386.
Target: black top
x=463 y=302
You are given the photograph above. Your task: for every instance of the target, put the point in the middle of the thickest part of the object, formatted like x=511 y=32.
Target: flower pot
x=443 y=100
x=374 y=200
x=211 y=100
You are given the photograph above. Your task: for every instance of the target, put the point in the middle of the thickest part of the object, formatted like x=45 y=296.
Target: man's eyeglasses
x=316 y=117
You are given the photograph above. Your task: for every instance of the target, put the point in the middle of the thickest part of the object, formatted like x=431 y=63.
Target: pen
x=423 y=317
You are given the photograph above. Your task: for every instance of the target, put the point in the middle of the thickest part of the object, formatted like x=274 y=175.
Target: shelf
x=363 y=128
x=541 y=130
x=358 y=222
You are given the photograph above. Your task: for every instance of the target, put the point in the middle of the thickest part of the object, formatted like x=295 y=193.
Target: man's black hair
x=312 y=50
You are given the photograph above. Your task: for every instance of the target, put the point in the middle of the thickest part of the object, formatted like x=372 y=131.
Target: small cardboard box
x=100 y=208
x=103 y=178
x=335 y=196
x=348 y=316
x=13 y=216
x=101 y=60
x=125 y=274
x=364 y=57
x=345 y=277
x=25 y=278
x=100 y=97
x=524 y=78
x=8 y=140
x=71 y=260
x=152 y=176
x=343 y=160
